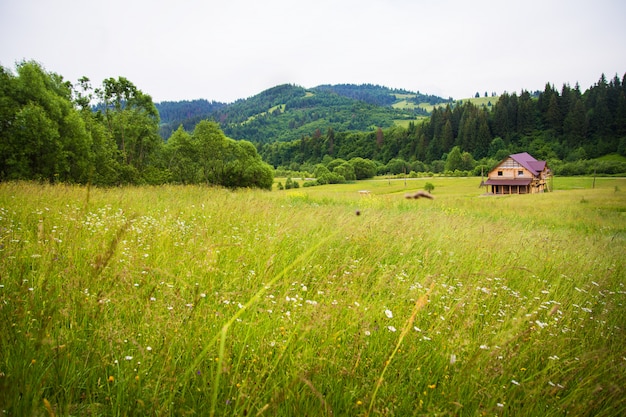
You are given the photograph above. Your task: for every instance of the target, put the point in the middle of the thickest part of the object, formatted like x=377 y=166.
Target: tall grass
x=192 y=300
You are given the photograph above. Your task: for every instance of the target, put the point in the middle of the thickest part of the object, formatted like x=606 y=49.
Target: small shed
x=519 y=173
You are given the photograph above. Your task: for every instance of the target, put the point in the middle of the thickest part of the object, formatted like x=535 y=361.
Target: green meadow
x=319 y=301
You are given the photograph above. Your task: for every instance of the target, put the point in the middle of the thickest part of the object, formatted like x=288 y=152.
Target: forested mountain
x=185 y=113
x=378 y=95
x=560 y=126
x=288 y=112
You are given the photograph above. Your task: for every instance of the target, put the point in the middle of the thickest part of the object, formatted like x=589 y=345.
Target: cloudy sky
x=231 y=49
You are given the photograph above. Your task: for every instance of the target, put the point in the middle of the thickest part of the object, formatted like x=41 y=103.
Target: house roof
x=528 y=162
x=508 y=181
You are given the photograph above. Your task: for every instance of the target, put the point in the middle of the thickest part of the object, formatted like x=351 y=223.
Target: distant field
x=319 y=301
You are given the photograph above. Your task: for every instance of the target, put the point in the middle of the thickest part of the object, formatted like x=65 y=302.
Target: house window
x=499 y=173
x=520 y=173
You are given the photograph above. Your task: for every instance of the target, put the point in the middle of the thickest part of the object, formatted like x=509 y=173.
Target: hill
x=288 y=112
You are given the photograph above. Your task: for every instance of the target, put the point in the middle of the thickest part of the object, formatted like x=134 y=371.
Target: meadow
x=319 y=301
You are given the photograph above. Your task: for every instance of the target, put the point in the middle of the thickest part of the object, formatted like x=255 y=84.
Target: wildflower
x=367 y=333
x=359 y=402
x=389 y=314
x=391 y=328
x=484 y=347
x=128 y=358
x=514 y=382
x=148 y=348
x=433 y=386
x=111 y=379
x=500 y=405
x=452 y=359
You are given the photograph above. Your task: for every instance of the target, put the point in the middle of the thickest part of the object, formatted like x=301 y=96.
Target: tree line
x=51 y=131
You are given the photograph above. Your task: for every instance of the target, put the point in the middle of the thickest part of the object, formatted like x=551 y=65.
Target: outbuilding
x=519 y=173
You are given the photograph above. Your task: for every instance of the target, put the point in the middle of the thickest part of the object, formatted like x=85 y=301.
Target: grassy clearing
x=190 y=300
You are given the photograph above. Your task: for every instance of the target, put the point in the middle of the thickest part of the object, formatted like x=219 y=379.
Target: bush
x=363 y=168
x=331 y=178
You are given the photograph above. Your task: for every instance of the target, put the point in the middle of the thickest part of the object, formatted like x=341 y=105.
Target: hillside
x=288 y=112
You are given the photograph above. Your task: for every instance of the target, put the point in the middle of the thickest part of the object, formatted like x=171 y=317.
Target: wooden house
x=519 y=173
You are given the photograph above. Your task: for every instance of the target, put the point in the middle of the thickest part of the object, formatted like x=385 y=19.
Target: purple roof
x=528 y=162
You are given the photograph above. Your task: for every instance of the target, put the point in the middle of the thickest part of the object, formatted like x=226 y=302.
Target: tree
x=211 y=147
x=132 y=120
x=454 y=160
x=429 y=187
x=244 y=167
x=181 y=157
x=42 y=135
x=397 y=166
x=380 y=137
x=363 y=168
x=346 y=170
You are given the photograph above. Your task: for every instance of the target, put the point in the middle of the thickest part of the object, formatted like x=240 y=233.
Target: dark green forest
x=54 y=130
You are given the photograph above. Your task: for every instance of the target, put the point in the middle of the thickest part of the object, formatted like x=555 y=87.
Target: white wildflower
x=389 y=314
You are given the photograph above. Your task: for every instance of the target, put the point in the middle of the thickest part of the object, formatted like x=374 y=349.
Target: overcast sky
x=231 y=49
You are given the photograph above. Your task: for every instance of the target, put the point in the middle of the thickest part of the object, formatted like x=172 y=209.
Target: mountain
x=288 y=112
x=186 y=113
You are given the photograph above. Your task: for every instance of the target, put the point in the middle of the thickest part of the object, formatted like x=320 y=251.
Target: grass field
x=187 y=300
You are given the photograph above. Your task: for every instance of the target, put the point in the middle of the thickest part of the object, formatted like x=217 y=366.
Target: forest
x=54 y=130
x=50 y=131
x=565 y=127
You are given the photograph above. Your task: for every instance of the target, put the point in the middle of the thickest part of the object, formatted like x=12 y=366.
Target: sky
x=234 y=49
